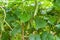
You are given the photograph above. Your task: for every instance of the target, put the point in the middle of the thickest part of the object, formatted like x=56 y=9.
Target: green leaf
x=58 y=26
x=15 y=24
x=50 y=37
x=16 y=30
x=31 y=37
x=25 y=17
x=47 y=36
x=37 y=37
x=57 y=38
x=40 y=23
x=10 y=18
x=5 y=36
x=44 y=35
x=34 y=37
x=52 y=20
x=57 y=4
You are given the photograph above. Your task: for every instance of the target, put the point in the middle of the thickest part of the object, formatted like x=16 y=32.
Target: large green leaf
x=24 y=15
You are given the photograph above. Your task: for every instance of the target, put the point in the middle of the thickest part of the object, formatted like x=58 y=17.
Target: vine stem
x=5 y=17
x=36 y=9
x=4 y=13
x=22 y=31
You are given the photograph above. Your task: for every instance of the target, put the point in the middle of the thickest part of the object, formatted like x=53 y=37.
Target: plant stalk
x=22 y=31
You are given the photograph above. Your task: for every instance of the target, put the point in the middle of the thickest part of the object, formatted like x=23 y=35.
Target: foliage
x=29 y=19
